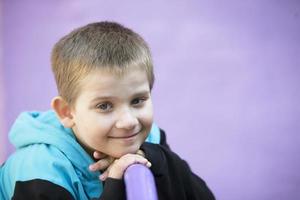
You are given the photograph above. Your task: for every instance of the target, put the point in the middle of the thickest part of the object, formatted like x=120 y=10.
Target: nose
x=126 y=120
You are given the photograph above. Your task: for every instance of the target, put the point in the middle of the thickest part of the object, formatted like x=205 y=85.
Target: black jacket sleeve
x=39 y=189
x=113 y=189
x=173 y=177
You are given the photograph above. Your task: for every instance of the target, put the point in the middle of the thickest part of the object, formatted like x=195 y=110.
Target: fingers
x=103 y=162
x=99 y=155
x=115 y=168
x=140 y=152
x=119 y=166
x=100 y=164
x=104 y=175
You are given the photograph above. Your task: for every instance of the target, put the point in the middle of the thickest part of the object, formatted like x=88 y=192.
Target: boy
x=104 y=77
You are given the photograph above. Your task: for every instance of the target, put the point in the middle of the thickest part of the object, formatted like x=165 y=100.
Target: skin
x=111 y=118
x=114 y=168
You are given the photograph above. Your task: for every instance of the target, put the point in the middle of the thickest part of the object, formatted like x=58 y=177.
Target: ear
x=63 y=111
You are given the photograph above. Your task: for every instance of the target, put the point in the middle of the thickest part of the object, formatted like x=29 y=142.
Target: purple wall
x=227 y=89
x=2 y=124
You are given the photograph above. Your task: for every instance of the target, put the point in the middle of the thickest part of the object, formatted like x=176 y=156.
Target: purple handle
x=140 y=183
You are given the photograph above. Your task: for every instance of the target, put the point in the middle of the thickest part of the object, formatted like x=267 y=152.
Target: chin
x=126 y=150
x=121 y=148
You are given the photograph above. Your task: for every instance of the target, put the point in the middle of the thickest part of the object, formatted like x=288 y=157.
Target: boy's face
x=113 y=114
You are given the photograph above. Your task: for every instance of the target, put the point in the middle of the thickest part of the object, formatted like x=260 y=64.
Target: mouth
x=126 y=136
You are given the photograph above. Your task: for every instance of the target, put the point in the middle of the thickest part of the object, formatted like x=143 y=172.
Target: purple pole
x=140 y=183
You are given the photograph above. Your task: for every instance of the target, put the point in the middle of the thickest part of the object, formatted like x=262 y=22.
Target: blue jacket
x=48 y=151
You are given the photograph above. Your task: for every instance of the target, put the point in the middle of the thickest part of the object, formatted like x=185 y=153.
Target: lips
x=125 y=136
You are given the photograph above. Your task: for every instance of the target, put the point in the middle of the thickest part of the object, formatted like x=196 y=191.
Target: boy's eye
x=104 y=106
x=138 y=101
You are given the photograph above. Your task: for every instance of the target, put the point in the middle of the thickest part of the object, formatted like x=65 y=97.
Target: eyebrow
x=142 y=93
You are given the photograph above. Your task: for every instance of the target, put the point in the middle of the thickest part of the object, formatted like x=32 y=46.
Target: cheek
x=92 y=128
x=93 y=134
x=99 y=127
x=146 y=115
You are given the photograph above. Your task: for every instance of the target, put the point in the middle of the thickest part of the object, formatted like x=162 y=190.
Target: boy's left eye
x=104 y=107
x=138 y=101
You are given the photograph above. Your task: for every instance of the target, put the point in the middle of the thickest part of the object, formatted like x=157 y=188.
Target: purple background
x=227 y=89
x=2 y=129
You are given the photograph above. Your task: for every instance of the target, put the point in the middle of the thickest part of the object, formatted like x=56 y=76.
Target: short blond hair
x=97 y=45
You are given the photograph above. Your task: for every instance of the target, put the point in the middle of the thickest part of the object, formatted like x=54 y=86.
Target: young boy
x=98 y=126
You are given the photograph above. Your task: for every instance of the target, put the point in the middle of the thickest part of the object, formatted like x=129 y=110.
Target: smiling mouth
x=125 y=137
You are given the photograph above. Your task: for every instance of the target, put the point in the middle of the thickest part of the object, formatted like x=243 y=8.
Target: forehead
x=107 y=82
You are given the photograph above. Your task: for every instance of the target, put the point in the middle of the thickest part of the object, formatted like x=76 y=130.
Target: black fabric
x=173 y=177
x=163 y=139
x=113 y=189
x=39 y=189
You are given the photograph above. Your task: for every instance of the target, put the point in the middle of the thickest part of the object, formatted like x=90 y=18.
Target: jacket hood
x=45 y=128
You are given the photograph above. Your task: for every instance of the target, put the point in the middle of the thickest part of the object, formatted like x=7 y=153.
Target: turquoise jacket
x=46 y=150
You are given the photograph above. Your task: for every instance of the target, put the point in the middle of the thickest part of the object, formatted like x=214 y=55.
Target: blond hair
x=97 y=45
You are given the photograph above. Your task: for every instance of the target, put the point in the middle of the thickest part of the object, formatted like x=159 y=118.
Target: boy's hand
x=103 y=162
x=117 y=168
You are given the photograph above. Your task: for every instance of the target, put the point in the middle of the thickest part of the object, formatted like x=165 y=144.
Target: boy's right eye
x=104 y=107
